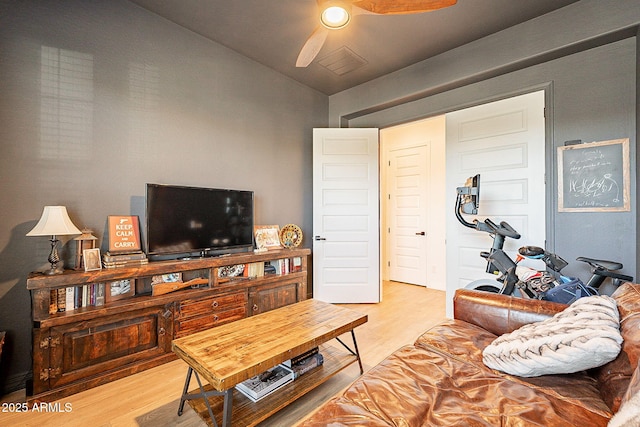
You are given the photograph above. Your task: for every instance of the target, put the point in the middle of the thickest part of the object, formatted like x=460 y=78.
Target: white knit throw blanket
x=583 y=336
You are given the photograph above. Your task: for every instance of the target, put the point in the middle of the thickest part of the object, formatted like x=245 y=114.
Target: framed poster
x=594 y=177
x=124 y=233
x=267 y=237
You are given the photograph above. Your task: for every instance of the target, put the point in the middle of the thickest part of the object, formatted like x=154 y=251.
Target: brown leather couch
x=440 y=380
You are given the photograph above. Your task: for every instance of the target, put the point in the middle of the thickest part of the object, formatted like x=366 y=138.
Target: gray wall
x=583 y=55
x=161 y=104
x=98 y=98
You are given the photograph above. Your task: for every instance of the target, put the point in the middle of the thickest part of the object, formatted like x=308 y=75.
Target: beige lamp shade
x=55 y=221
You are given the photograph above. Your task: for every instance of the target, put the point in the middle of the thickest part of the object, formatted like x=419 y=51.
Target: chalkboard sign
x=594 y=177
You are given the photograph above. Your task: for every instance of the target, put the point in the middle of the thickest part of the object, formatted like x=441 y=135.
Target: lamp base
x=54 y=258
x=52 y=271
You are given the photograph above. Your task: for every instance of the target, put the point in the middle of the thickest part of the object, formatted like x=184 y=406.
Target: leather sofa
x=441 y=380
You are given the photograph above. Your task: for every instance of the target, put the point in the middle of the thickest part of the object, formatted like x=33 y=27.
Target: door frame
x=396 y=118
x=435 y=268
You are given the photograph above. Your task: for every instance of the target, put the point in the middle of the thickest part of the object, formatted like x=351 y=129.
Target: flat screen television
x=192 y=221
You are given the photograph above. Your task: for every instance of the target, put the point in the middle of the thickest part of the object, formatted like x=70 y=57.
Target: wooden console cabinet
x=85 y=347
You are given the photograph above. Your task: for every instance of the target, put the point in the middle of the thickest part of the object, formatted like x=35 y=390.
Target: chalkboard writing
x=594 y=176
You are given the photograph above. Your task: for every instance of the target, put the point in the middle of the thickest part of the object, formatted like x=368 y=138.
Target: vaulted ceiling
x=272 y=32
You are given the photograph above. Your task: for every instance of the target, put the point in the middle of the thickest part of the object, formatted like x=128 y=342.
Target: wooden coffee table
x=229 y=354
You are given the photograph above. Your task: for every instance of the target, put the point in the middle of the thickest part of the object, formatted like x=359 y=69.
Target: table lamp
x=54 y=222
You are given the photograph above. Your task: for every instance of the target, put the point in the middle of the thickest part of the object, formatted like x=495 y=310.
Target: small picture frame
x=267 y=237
x=91 y=259
x=120 y=289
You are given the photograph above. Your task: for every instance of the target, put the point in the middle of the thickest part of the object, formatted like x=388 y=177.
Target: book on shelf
x=307 y=364
x=61 y=296
x=296 y=264
x=100 y=290
x=119 y=257
x=53 y=301
x=123 y=264
x=258 y=387
x=70 y=298
x=269 y=268
x=301 y=356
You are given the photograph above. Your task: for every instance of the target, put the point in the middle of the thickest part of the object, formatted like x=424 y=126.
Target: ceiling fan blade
x=394 y=7
x=312 y=46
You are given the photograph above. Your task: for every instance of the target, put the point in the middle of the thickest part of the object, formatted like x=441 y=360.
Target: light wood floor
x=150 y=398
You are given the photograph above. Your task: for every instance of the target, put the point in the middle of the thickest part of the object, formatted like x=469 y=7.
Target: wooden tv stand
x=92 y=345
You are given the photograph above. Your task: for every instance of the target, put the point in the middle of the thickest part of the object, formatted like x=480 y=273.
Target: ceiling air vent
x=342 y=61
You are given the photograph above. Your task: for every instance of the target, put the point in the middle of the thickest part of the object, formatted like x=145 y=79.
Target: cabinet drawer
x=200 y=323
x=206 y=306
x=197 y=315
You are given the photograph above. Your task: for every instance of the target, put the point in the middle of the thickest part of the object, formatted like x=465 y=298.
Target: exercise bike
x=512 y=279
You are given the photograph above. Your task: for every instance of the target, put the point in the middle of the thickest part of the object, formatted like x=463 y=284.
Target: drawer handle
x=162 y=332
x=214 y=304
x=216 y=318
x=255 y=307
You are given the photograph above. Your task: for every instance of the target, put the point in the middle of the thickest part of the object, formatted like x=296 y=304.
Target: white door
x=346 y=231
x=504 y=142
x=407 y=230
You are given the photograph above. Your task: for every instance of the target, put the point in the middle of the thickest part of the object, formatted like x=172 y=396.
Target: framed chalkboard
x=594 y=177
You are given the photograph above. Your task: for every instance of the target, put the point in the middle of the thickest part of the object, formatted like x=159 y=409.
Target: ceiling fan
x=336 y=14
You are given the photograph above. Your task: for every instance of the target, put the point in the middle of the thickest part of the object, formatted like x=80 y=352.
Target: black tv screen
x=185 y=221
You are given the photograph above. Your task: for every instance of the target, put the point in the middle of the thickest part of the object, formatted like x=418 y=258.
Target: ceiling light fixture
x=335 y=17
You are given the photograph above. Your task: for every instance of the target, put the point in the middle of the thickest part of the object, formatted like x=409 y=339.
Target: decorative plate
x=290 y=236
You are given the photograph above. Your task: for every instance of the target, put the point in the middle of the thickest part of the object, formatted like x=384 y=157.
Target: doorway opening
x=504 y=141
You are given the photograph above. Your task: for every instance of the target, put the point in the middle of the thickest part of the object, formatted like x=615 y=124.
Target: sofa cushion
x=457 y=338
x=426 y=386
x=583 y=336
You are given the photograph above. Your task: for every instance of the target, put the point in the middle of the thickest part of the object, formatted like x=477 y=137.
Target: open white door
x=504 y=142
x=346 y=230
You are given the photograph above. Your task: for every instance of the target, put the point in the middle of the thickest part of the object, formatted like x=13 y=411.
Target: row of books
x=121 y=260
x=279 y=266
x=286 y=265
x=253 y=269
x=268 y=382
x=74 y=297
